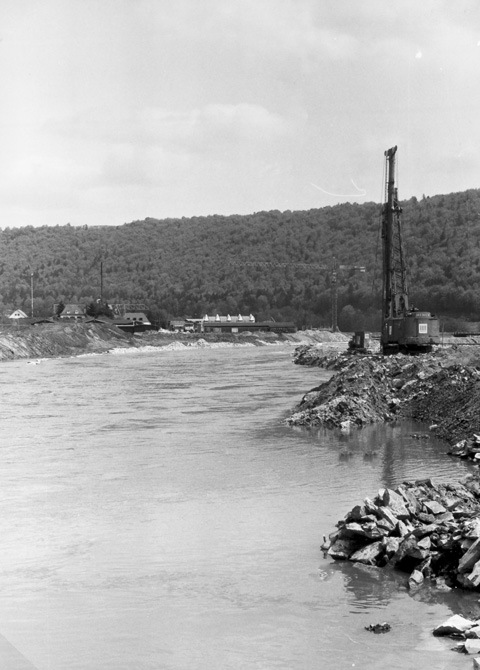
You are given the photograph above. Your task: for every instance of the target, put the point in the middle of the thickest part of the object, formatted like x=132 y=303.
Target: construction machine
x=404 y=328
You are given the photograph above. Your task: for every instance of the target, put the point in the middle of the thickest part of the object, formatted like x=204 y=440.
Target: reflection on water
x=157 y=512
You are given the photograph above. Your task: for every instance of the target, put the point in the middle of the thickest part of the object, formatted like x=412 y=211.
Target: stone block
x=405 y=547
x=370 y=506
x=465 y=544
x=423 y=531
x=415 y=580
x=473 y=632
x=470 y=557
x=454 y=625
x=472 y=646
x=369 y=554
x=343 y=548
x=357 y=513
x=472 y=530
x=452 y=503
x=391 y=545
x=369 y=531
x=403 y=529
x=409 y=498
x=473 y=578
x=383 y=525
x=434 y=507
x=425 y=543
x=386 y=514
x=388 y=498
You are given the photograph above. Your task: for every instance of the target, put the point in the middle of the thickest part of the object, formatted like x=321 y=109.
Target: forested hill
x=201 y=265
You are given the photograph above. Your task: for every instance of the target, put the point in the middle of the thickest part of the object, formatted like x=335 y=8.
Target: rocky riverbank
x=428 y=530
x=442 y=388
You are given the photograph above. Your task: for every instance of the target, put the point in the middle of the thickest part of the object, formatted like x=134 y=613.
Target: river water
x=157 y=513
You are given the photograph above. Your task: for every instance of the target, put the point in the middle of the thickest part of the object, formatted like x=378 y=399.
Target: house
x=240 y=324
x=137 y=317
x=18 y=314
x=226 y=324
x=230 y=324
x=74 y=311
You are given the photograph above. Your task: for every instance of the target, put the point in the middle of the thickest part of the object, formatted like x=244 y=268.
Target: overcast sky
x=115 y=110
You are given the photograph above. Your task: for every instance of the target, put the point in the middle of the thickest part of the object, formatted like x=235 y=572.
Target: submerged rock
x=379 y=628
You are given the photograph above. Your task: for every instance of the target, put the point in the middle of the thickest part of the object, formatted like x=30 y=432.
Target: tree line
x=272 y=264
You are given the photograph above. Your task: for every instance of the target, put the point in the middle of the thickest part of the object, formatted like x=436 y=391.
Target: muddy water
x=157 y=513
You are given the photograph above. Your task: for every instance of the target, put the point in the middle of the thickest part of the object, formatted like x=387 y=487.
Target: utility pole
x=101 y=282
x=333 y=280
x=31 y=293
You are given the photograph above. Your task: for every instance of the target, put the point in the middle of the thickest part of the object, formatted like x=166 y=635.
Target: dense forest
x=273 y=264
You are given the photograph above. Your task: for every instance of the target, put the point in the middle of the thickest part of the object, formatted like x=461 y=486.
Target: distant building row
x=138 y=320
x=230 y=324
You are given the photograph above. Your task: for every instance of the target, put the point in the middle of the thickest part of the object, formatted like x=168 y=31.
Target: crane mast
x=404 y=328
x=395 y=291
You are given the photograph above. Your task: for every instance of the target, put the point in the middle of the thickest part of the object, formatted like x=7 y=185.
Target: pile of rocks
x=365 y=390
x=427 y=530
x=375 y=389
x=315 y=355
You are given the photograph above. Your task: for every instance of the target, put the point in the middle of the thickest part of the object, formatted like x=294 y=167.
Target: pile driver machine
x=404 y=328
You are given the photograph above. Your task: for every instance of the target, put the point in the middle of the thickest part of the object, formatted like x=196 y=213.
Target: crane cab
x=413 y=332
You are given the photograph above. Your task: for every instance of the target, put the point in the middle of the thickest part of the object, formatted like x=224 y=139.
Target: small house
x=18 y=314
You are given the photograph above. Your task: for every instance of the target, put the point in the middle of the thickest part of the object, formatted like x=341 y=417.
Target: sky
x=117 y=110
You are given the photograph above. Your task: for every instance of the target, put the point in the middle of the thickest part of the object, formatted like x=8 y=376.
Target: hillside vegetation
x=200 y=265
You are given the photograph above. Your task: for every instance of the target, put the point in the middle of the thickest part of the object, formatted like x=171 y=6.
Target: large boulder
x=455 y=625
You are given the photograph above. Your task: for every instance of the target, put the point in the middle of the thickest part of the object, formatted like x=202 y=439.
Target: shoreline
x=59 y=340
x=441 y=389
x=427 y=530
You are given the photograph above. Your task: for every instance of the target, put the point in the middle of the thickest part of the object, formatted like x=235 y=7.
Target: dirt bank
x=72 y=339
x=442 y=388
x=59 y=339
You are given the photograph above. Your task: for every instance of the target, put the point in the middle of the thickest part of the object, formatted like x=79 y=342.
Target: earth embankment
x=59 y=339
x=46 y=340
x=442 y=388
